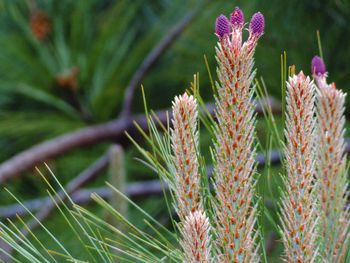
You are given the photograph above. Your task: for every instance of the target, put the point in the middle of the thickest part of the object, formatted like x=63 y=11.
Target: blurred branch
x=112 y=130
x=133 y=190
x=82 y=179
x=152 y=57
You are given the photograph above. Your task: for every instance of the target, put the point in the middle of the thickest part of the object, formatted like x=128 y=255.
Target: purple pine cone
x=317 y=66
x=257 y=24
x=237 y=17
x=222 y=27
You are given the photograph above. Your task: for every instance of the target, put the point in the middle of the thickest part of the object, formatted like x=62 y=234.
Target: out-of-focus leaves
x=41 y=96
x=76 y=74
x=81 y=68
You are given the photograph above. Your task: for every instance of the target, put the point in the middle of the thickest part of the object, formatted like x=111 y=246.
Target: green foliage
x=107 y=40
x=95 y=240
x=102 y=42
x=105 y=46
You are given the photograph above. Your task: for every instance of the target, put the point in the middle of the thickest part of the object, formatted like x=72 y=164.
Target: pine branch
x=110 y=131
x=152 y=57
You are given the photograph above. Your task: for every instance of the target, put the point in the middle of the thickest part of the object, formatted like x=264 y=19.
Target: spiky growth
x=194 y=225
x=196 y=241
x=184 y=138
x=331 y=162
x=234 y=151
x=299 y=204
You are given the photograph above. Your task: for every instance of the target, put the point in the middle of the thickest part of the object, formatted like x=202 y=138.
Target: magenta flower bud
x=317 y=66
x=222 y=27
x=237 y=17
x=257 y=24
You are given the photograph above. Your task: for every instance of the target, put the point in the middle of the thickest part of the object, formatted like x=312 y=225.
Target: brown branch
x=152 y=57
x=134 y=190
x=112 y=131
x=82 y=179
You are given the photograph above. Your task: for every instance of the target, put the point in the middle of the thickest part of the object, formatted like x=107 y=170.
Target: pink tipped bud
x=257 y=24
x=317 y=66
x=301 y=75
x=222 y=27
x=237 y=17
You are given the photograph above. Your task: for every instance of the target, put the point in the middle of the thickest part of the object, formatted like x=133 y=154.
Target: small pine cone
x=222 y=27
x=317 y=66
x=40 y=25
x=68 y=81
x=237 y=17
x=257 y=24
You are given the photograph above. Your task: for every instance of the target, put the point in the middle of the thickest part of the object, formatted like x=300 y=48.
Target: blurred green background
x=65 y=64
